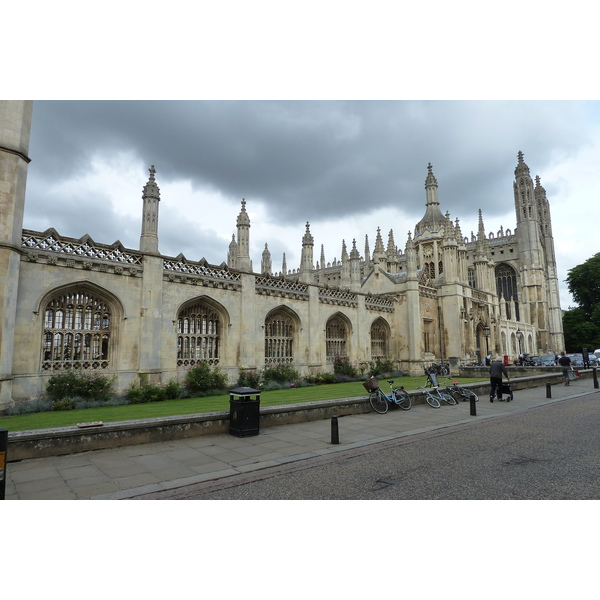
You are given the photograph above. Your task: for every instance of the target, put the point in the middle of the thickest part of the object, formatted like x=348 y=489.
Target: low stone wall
x=40 y=443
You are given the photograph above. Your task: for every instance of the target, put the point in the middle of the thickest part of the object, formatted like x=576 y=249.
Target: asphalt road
x=549 y=452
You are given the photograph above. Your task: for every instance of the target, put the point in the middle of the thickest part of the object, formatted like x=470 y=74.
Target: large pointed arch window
x=379 y=339
x=506 y=285
x=77 y=332
x=198 y=335
x=336 y=336
x=279 y=338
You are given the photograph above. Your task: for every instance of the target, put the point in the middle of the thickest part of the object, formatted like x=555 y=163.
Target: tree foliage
x=584 y=284
x=581 y=324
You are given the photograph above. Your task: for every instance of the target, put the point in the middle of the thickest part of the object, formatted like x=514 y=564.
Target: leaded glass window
x=379 y=339
x=279 y=338
x=198 y=335
x=335 y=338
x=77 y=332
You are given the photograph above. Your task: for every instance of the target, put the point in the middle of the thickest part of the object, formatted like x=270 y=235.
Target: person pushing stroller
x=497 y=369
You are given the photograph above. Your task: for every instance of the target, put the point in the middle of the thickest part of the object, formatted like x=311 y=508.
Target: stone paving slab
x=135 y=470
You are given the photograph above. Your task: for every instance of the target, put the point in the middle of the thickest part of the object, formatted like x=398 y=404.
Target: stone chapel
x=77 y=303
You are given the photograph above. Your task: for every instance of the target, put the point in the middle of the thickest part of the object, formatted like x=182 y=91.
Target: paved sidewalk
x=131 y=471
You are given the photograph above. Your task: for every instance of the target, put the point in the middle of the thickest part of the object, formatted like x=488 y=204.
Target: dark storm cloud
x=310 y=160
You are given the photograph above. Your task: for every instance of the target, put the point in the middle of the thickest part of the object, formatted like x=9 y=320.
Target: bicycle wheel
x=432 y=400
x=402 y=398
x=378 y=402
x=444 y=371
x=468 y=394
x=447 y=398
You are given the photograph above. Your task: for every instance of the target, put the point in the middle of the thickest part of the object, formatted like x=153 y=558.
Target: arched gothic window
x=279 y=338
x=471 y=276
x=506 y=285
x=335 y=338
x=198 y=335
x=379 y=339
x=77 y=332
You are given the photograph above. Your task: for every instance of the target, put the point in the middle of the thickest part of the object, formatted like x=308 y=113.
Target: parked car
x=576 y=359
x=545 y=360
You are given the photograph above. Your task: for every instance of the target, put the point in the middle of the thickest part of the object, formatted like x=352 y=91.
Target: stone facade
x=78 y=303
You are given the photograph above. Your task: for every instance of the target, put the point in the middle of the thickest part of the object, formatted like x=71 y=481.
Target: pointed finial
x=152 y=171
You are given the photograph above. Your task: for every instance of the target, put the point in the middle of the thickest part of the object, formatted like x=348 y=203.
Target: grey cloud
x=311 y=160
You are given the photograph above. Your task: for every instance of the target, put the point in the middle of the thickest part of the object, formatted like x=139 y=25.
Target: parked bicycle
x=461 y=393
x=434 y=397
x=440 y=369
x=431 y=381
x=380 y=401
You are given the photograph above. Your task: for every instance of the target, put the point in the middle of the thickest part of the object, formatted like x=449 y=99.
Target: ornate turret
x=411 y=258
x=354 y=265
x=379 y=250
x=243 y=239
x=265 y=266
x=433 y=220
x=150 y=198
x=306 y=260
x=232 y=254
x=345 y=273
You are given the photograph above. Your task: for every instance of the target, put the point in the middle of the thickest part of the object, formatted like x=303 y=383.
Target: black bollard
x=595 y=378
x=335 y=434
x=548 y=390
x=3 y=451
x=473 y=407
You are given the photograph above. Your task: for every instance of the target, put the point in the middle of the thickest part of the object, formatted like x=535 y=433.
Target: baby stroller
x=505 y=390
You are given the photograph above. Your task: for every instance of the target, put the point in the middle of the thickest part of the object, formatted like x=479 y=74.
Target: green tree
x=581 y=324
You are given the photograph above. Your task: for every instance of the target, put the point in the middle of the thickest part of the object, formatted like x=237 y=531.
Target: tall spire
x=367 y=250
x=150 y=198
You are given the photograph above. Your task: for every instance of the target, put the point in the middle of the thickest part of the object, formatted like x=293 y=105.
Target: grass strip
x=188 y=406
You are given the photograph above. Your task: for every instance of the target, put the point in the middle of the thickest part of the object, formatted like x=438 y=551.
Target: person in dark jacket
x=565 y=362
x=497 y=369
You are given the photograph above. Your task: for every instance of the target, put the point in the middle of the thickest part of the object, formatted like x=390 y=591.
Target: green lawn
x=109 y=414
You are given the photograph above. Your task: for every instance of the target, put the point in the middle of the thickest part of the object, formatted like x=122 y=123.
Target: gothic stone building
x=76 y=303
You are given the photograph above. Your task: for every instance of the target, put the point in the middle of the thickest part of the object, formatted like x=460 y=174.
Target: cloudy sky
x=347 y=167
x=325 y=112
x=276 y=133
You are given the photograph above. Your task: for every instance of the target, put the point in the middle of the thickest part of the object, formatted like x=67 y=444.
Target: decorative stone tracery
x=77 y=332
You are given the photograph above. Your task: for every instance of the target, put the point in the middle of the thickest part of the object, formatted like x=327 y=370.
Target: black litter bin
x=244 y=412
x=3 y=451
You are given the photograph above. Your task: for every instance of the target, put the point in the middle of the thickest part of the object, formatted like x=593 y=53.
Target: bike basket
x=371 y=384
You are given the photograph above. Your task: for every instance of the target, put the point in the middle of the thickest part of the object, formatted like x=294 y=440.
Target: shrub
x=146 y=393
x=379 y=366
x=249 y=378
x=201 y=379
x=280 y=373
x=24 y=407
x=322 y=378
x=342 y=366
x=173 y=390
x=82 y=384
x=63 y=404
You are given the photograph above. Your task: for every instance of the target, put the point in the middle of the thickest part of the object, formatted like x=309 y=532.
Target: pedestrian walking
x=565 y=362
x=497 y=369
